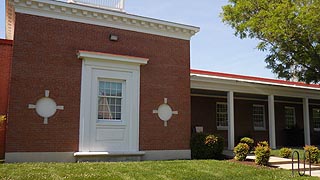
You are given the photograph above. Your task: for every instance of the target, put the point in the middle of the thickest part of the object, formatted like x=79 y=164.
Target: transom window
x=316 y=119
x=110 y=100
x=258 y=117
x=222 y=115
x=290 y=117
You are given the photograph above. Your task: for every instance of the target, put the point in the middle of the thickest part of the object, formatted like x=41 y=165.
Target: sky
x=214 y=48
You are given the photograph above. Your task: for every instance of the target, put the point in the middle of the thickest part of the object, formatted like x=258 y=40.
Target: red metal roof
x=252 y=78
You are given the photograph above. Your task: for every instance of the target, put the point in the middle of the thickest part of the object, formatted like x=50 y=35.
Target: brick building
x=83 y=82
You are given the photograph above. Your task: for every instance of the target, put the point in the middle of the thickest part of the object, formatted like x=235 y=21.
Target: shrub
x=314 y=154
x=263 y=143
x=241 y=151
x=206 y=146
x=2 y=118
x=248 y=141
x=285 y=152
x=262 y=153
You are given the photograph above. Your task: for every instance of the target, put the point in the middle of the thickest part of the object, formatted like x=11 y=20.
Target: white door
x=109 y=112
x=110 y=122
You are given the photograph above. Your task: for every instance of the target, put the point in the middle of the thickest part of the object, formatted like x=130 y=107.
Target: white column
x=306 y=121
x=230 y=100
x=272 y=122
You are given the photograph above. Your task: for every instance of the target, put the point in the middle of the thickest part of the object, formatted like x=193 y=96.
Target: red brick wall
x=5 y=62
x=204 y=114
x=45 y=58
x=244 y=122
x=315 y=135
x=286 y=137
x=203 y=110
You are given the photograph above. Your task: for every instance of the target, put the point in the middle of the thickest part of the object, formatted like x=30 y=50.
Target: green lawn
x=276 y=152
x=182 y=169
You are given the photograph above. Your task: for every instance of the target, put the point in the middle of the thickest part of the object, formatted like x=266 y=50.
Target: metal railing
x=107 y=4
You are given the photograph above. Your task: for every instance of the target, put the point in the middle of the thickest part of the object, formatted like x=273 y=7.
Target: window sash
x=222 y=115
x=110 y=100
x=290 y=117
x=258 y=117
x=316 y=119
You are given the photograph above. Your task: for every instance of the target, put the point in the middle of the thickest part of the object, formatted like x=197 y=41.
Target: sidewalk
x=283 y=163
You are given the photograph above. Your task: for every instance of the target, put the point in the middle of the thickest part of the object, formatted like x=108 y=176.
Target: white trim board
x=112 y=57
x=222 y=84
x=103 y=17
x=252 y=81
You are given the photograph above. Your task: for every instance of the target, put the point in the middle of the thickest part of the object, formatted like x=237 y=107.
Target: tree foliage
x=289 y=30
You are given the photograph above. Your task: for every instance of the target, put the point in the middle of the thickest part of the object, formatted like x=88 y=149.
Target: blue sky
x=214 y=48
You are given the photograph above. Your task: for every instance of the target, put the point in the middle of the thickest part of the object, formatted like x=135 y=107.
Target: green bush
x=248 y=141
x=2 y=118
x=262 y=153
x=314 y=154
x=206 y=146
x=285 y=152
x=241 y=151
x=263 y=143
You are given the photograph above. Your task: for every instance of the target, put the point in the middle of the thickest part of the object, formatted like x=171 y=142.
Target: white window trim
x=222 y=128
x=318 y=109
x=264 y=118
x=294 y=116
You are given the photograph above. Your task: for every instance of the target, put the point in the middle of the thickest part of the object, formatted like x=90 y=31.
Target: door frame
x=112 y=63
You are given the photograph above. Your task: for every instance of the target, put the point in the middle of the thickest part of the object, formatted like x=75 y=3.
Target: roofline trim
x=252 y=79
x=103 y=17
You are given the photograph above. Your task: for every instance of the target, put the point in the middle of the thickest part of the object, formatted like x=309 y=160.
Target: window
x=258 y=117
x=290 y=117
x=222 y=116
x=316 y=119
x=110 y=100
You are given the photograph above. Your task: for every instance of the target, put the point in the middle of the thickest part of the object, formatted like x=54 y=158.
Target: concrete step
x=117 y=156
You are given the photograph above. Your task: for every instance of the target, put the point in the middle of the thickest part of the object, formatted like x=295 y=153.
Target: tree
x=289 y=30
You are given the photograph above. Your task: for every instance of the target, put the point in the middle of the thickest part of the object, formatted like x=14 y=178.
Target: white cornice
x=103 y=17
x=10 y=18
x=112 y=57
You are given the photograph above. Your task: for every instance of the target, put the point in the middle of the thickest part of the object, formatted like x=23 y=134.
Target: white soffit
x=112 y=57
x=103 y=17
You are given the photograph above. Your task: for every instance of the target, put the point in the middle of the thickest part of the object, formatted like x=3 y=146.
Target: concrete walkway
x=283 y=163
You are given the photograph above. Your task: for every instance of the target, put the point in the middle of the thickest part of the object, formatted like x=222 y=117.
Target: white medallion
x=46 y=107
x=165 y=112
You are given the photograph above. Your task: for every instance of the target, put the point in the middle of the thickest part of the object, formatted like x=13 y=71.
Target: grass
x=276 y=152
x=180 y=169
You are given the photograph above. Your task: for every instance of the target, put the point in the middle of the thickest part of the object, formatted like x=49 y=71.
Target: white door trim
x=115 y=63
